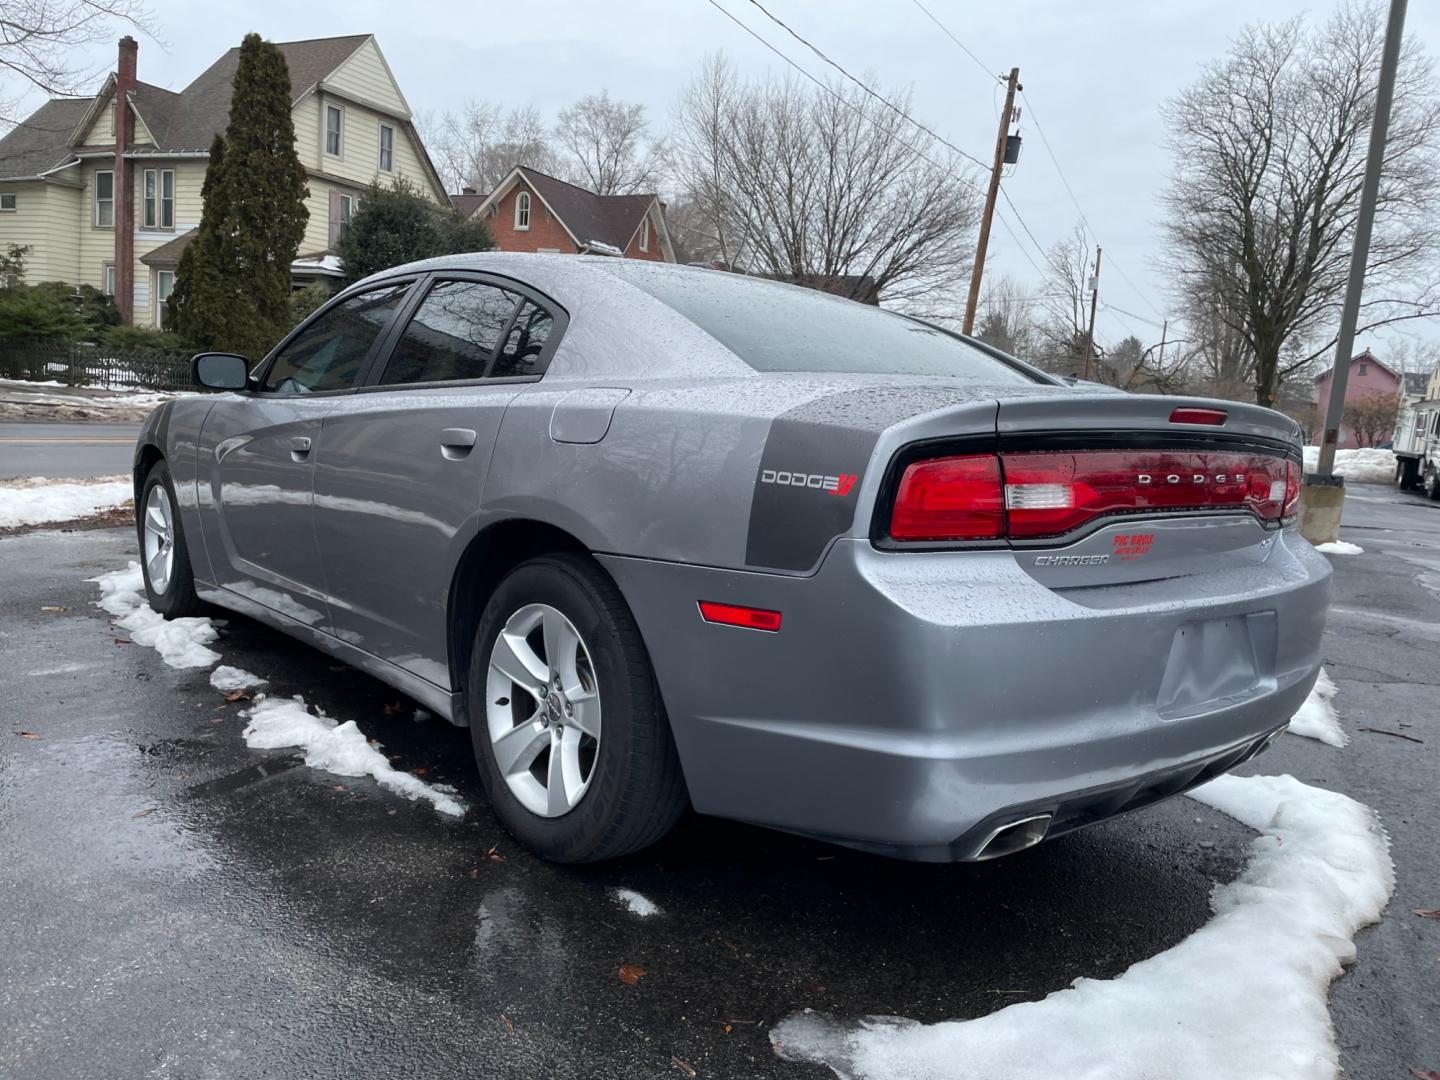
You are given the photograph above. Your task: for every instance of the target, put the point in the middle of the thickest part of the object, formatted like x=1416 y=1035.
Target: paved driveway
x=173 y=904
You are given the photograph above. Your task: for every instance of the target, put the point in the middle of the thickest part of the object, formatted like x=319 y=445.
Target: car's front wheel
x=569 y=732
x=164 y=558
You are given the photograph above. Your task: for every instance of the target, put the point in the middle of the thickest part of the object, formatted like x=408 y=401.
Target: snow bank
x=1362 y=466
x=1244 y=996
x=226 y=678
x=635 y=903
x=1317 y=718
x=38 y=501
x=180 y=642
x=1340 y=547
x=342 y=749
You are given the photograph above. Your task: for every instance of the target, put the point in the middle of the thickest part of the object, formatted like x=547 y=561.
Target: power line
x=1019 y=246
x=946 y=31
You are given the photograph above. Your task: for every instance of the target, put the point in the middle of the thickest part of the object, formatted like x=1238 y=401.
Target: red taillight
x=1032 y=495
x=954 y=498
x=731 y=615
x=1187 y=415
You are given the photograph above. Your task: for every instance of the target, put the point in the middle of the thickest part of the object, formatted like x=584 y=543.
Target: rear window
x=773 y=328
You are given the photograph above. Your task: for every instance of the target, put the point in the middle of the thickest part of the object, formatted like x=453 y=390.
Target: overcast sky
x=1094 y=74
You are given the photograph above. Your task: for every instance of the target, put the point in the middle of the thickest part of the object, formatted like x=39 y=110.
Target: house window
x=645 y=234
x=347 y=211
x=1364 y=369
x=7 y=202
x=387 y=148
x=522 y=211
x=158 y=199
x=332 y=129
x=164 y=286
x=105 y=199
x=109 y=279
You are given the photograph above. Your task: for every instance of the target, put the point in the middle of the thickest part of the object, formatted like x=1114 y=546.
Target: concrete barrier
x=1322 y=504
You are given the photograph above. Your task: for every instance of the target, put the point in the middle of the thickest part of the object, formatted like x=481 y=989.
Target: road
x=177 y=905
x=69 y=450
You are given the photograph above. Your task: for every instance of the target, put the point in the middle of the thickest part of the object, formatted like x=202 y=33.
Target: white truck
x=1417 y=446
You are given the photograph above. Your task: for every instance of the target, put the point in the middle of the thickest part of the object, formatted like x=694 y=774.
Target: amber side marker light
x=748 y=617
x=1184 y=415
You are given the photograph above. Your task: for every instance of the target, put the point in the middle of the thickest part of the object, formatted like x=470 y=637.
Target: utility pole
x=1369 y=195
x=1094 y=297
x=973 y=299
x=1164 y=330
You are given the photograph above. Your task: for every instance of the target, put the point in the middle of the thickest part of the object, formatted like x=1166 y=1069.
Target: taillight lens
x=1036 y=494
x=954 y=498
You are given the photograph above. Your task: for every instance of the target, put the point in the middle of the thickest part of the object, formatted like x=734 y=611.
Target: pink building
x=1369 y=378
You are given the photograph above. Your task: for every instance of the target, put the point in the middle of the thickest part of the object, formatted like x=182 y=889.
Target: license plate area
x=1215 y=662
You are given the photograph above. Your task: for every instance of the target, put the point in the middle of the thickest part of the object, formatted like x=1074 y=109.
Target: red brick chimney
x=124 y=185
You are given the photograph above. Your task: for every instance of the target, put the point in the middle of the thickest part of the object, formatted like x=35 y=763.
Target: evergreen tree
x=236 y=281
x=397 y=224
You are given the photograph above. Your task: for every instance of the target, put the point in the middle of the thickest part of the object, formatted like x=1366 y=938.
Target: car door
x=259 y=450
x=398 y=482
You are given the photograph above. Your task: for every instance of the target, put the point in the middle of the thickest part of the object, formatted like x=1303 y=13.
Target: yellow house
x=111 y=200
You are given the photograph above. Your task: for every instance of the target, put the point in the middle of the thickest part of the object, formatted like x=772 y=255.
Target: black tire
x=636 y=791
x=1408 y=474
x=178 y=600
x=1432 y=483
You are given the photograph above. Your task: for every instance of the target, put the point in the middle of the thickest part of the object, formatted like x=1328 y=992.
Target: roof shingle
x=42 y=140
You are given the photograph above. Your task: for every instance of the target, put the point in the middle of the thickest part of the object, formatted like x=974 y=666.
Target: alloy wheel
x=542 y=710
x=159 y=547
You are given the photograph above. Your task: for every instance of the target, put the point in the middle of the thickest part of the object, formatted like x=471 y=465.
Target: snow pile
x=180 y=642
x=227 y=679
x=1340 y=547
x=635 y=903
x=38 y=501
x=1316 y=718
x=1244 y=996
x=342 y=749
x=1365 y=466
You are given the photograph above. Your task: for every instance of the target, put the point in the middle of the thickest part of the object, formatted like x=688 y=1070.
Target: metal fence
x=100 y=366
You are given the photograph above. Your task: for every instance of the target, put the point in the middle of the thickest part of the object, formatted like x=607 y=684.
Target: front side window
x=524 y=344
x=452 y=335
x=105 y=199
x=328 y=353
x=522 y=210
x=164 y=286
x=387 y=148
x=332 y=129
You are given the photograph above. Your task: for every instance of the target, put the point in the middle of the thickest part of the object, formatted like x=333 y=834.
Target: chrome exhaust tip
x=1014 y=836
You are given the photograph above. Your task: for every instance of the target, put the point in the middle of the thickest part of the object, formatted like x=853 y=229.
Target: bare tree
x=608 y=144
x=823 y=185
x=39 y=40
x=1269 y=147
x=1066 y=302
x=1370 y=418
x=1009 y=318
x=479 y=145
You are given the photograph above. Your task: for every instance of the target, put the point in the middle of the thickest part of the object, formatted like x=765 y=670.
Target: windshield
x=777 y=328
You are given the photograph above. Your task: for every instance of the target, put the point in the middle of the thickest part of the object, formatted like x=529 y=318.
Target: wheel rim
x=542 y=710
x=159 y=538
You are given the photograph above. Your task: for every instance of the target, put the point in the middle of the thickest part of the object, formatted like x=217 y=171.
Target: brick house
x=111 y=197
x=530 y=211
x=1368 y=378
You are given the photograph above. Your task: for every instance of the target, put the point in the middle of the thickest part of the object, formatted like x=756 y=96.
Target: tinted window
x=775 y=328
x=452 y=335
x=524 y=344
x=328 y=353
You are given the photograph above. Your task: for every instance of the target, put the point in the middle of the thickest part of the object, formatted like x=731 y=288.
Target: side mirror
x=220 y=371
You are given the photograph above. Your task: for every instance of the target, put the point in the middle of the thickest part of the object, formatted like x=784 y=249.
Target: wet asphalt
x=175 y=905
x=66 y=450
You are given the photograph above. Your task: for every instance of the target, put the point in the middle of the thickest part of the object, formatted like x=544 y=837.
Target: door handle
x=299 y=448
x=457 y=442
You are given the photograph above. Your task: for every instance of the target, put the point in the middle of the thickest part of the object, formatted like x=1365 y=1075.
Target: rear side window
x=453 y=334
x=773 y=328
x=327 y=354
x=525 y=343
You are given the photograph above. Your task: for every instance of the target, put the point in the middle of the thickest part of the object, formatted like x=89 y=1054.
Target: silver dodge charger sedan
x=662 y=536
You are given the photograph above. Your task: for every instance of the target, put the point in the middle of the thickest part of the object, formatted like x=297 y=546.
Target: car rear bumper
x=912 y=703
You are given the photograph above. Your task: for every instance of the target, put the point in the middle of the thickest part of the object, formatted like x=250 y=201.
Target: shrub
x=142 y=337
x=39 y=314
x=397 y=225
x=304 y=302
